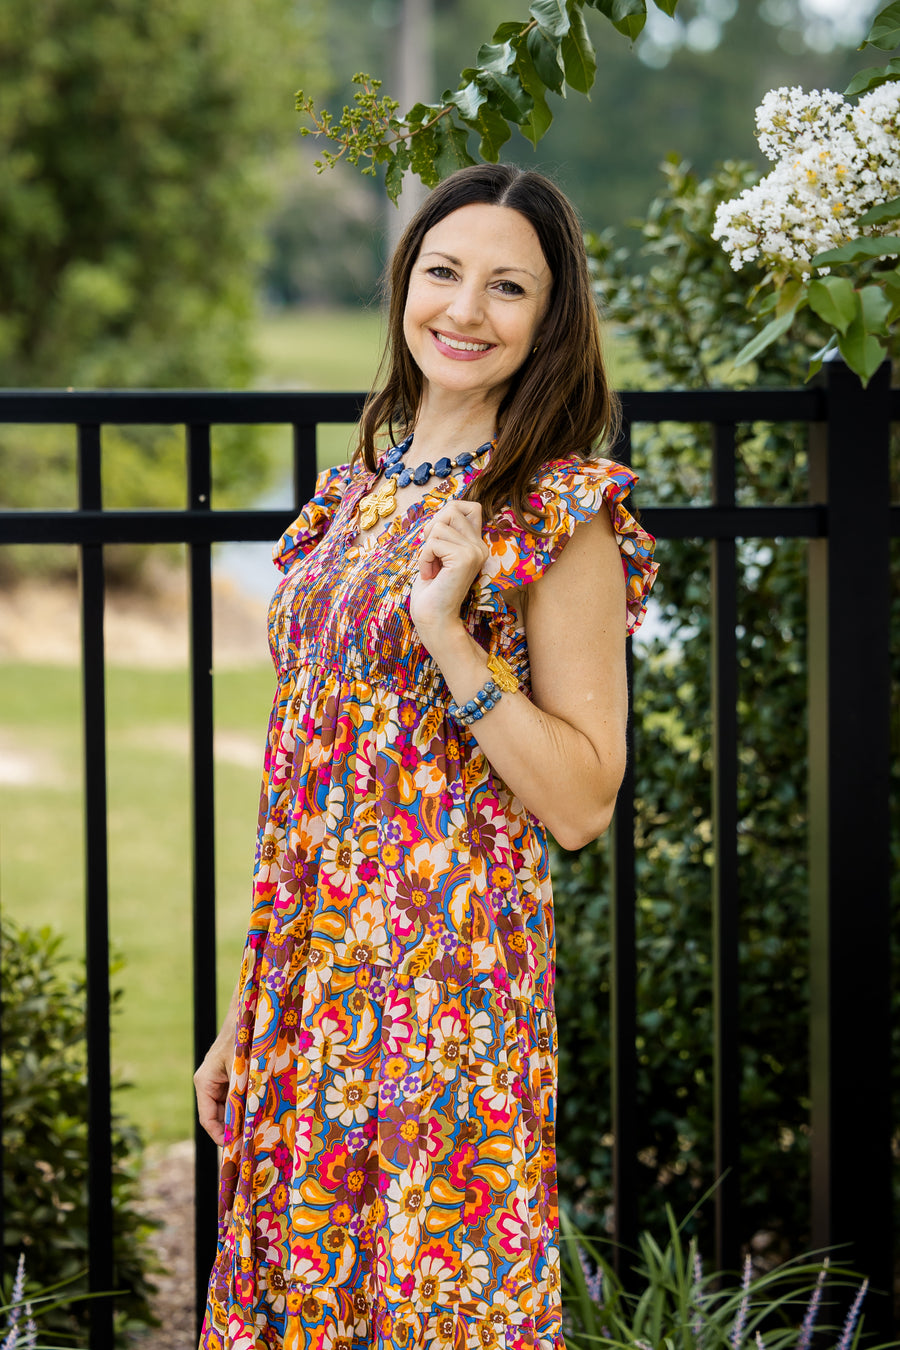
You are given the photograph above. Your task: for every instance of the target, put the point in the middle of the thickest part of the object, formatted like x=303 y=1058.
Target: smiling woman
x=384 y=1084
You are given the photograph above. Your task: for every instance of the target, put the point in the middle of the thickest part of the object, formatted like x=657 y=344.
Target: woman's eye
x=442 y=273
x=510 y=288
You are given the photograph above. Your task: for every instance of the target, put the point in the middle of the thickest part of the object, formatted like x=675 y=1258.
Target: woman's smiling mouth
x=460 y=347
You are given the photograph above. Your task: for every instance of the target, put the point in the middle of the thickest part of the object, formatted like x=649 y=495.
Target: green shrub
x=683 y=309
x=45 y=1136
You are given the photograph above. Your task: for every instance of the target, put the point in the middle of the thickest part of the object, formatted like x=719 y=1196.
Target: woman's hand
x=211 y=1086
x=450 y=558
x=212 y=1079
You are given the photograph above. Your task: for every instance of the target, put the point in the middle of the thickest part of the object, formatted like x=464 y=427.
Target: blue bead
x=465 y=458
x=391 y=469
x=405 y=478
x=471 y=706
x=422 y=474
x=487 y=704
x=442 y=468
x=393 y=455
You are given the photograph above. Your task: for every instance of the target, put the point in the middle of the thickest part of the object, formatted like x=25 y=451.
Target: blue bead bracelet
x=477 y=706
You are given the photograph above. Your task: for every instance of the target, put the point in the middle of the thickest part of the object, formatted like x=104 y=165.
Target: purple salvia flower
x=760 y=1343
x=18 y=1294
x=697 y=1294
x=592 y=1279
x=809 y=1320
x=852 y=1317
x=740 y=1321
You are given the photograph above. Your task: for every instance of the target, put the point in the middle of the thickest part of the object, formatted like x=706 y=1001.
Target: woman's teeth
x=464 y=346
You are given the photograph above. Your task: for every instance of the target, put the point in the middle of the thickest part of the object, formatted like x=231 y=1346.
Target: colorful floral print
x=388 y=1176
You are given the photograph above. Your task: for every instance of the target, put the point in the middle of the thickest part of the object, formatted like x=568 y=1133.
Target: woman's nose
x=465 y=307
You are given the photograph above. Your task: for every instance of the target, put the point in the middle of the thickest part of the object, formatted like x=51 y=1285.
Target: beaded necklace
x=381 y=503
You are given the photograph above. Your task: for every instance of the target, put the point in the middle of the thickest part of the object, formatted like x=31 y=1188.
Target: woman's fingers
x=211 y=1085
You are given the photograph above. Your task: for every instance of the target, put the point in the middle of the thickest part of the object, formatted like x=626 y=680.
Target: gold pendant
x=378 y=504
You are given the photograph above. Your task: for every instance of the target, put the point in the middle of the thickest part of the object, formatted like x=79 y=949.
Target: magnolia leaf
x=788 y=296
x=885 y=31
x=667 y=6
x=627 y=16
x=538 y=120
x=494 y=131
x=468 y=99
x=872 y=77
x=578 y=55
x=817 y=358
x=772 y=331
x=494 y=57
x=875 y=309
x=835 y=301
x=862 y=352
x=547 y=59
x=552 y=16
x=507 y=95
x=877 y=215
x=452 y=148
x=858 y=250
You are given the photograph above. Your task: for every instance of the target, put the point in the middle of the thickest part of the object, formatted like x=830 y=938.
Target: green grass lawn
x=41 y=859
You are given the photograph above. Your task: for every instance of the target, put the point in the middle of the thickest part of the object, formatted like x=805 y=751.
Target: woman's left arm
x=563 y=755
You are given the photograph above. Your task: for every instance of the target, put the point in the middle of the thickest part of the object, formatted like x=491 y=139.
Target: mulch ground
x=168 y=1191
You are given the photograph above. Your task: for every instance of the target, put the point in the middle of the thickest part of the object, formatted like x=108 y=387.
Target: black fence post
x=849 y=759
x=206 y=1171
x=724 y=666
x=99 y=1078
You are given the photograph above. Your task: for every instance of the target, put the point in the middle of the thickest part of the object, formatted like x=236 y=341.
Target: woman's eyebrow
x=435 y=253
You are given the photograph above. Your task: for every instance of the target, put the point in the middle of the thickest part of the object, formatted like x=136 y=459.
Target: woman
x=449 y=638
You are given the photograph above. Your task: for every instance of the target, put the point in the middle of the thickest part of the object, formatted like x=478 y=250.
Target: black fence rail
x=849 y=743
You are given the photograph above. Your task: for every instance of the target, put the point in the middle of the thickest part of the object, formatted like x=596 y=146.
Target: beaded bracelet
x=502 y=678
x=477 y=706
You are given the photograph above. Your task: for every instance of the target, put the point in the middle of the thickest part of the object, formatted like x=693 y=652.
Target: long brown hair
x=559 y=402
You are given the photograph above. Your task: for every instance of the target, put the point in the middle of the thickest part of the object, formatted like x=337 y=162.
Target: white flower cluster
x=833 y=160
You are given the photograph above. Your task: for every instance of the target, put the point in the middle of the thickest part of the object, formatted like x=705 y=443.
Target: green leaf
x=885 y=31
x=817 y=358
x=497 y=57
x=834 y=300
x=552 y=16
x=862 y=352
x=538 y=120
x=468 y=99
x=423 y=153
x=872 y=77
x=507 y=31
x=772 y=331
x=494 y=131
x=578 y=55
x=506 y=95
x=875 y=309
x=397 y=165
x=547 y=59
x=858 y=250
x=667 y=6
x=451 y=148
x=877 y=215
x=626 y=16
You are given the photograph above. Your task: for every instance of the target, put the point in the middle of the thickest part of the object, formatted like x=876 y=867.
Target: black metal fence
x=849 y=744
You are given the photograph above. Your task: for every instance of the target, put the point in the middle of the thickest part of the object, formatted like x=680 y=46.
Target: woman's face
x=478 y=293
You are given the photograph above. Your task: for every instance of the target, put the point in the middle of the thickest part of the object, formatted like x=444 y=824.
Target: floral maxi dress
x=389 y=1175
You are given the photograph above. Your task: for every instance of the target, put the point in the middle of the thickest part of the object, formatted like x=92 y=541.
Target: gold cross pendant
x=378 y=504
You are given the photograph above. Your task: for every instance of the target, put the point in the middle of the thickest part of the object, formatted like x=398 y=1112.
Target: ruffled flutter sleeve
x=302 y=535
x=568 y=493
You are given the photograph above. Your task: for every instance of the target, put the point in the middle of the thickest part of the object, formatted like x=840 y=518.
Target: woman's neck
x=447 y=426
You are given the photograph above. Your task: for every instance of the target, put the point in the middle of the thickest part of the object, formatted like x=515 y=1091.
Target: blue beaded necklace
x=381 y=503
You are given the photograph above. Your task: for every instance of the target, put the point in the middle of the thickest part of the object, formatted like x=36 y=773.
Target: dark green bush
x=683 y=308
x=45 y=1136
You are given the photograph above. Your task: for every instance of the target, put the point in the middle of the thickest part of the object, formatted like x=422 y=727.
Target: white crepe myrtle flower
x=833 y=160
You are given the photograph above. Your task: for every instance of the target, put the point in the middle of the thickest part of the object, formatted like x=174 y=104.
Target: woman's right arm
x=213 y=1076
